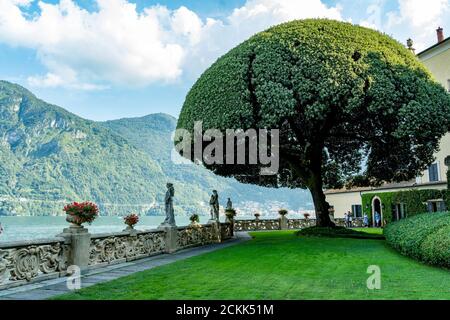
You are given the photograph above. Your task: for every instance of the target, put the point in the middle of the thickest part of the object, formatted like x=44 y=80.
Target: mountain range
x=49 y=157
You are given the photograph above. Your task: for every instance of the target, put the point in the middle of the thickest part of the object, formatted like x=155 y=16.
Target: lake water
x=28 y=228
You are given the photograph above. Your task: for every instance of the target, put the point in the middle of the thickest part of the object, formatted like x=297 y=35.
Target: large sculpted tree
x=353 y=106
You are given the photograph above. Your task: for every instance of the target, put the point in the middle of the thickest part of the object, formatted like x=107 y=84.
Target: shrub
x=424 y=237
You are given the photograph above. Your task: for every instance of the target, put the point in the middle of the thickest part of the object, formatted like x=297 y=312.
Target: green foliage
x=338 y=232
x=424 y=237
x=414 y=201
x=332 y=86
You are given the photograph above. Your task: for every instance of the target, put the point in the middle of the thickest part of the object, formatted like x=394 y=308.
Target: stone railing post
x=217 y=232
x=230 y=220
x=80 y=243
x=283 y=222
x=170 y=235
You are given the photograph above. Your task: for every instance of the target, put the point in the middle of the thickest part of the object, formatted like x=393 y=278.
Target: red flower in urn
x=81 y=212
x=131 y=219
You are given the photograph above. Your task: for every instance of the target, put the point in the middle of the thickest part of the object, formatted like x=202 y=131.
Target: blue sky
x=108 y=59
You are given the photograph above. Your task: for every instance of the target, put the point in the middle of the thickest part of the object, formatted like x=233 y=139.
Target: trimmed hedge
x=338 y=232
x=425 y=237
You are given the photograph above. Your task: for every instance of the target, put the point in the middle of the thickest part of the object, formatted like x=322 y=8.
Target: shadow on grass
x=338 y=232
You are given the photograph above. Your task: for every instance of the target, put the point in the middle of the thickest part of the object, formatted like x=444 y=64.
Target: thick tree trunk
x=321 y=206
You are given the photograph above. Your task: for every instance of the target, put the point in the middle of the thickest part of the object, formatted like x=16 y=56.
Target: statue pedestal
x=170 y=237
x=216 y=225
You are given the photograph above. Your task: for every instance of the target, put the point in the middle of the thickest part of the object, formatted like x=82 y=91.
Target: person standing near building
x=377 y=219
x=365 y=221
x=350 y=220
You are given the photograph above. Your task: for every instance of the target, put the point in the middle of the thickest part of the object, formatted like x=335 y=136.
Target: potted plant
x=195 y=219
x=131 y=220
x=78 y=213
x=230 y=214
x=282 y=212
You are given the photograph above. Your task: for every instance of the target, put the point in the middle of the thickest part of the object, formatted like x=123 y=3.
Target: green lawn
x=280 y=265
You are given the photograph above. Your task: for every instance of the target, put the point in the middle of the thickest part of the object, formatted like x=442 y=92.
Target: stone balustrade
x=29 y=261
x=24 y=261
x=283 y=223
x=125 y=246
x=294 y=224
x=257 y=224
x=356 y=222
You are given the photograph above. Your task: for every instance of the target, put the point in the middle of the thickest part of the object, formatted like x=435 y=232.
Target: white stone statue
x=214 y=204
x=229 y=204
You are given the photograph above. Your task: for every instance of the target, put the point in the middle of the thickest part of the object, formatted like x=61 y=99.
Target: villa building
x=430 y=186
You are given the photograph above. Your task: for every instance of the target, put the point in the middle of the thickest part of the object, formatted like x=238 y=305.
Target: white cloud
x=419 y=13
x=116 y=44
x=217 y=37
x=419 y=20
x=416 y=19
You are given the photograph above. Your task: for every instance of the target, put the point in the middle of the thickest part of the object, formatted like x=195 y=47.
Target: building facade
x=428 y=192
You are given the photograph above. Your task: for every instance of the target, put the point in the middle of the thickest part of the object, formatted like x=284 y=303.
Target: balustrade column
x=170 y=235
x=284 y=223
x=80 y=242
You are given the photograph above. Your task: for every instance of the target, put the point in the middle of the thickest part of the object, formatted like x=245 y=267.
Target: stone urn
x=75 y=222
x=230 y=214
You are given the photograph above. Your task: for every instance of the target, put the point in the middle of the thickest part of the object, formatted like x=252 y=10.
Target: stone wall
x=30 y=261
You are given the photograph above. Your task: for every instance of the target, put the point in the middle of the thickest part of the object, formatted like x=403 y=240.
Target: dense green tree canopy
x=350 y=102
